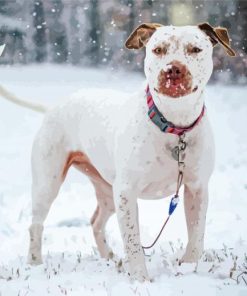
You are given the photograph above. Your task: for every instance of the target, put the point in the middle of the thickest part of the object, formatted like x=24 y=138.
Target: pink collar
x=165 y=126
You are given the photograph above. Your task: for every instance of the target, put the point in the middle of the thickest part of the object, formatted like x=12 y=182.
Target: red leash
x=158 y=236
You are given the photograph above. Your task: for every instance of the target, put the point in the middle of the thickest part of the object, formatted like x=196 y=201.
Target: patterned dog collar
x=165 y=126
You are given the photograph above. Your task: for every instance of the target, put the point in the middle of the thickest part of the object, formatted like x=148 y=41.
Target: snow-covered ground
x=72 y=265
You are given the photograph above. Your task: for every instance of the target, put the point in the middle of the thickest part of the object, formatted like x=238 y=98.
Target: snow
x=72 y=265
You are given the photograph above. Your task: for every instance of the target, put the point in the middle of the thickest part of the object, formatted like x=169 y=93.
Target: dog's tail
x=11 y=97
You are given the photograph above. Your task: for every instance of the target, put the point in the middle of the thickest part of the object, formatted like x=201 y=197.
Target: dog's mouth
x=176 y=81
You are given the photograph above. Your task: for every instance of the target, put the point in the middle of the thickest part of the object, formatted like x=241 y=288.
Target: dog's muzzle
x=175 y=81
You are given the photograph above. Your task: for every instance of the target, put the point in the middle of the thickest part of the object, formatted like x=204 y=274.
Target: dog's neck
x=181 y=111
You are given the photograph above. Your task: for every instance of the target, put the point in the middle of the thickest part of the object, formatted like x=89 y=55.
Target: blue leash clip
x=173 y=204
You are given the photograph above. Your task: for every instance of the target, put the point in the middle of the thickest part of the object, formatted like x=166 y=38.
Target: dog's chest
x=160 y=170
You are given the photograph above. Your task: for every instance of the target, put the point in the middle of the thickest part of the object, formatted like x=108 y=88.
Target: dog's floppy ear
x=218 y=35
x=140 y=36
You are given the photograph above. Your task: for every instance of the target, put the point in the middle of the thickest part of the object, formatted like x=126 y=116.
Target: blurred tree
x=58 y=39
x=39 y=36
x=129 y=27
x=132 y=15
x=4 y=7
x=12 y=32
x=242 y=28
x=75 y=37
x=94 y=32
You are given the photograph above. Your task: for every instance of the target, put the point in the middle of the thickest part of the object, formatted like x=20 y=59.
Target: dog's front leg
x=127 y=214
x=195 y=205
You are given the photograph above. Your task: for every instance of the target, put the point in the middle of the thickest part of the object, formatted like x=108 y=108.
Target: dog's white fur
x=131 y=154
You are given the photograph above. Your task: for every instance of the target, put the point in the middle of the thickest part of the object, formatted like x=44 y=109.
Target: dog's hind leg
x=95 y=215
x=103 y=212
x=47 y=166
x=105 y=207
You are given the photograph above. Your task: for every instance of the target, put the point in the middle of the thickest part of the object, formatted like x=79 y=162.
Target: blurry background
x=55 y=47
x=93 y=32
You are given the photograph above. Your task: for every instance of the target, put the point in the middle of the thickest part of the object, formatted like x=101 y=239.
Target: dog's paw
x=118 y=262
x=34 y=260
x=191 y=256
x=140 y=277
x=139 y=273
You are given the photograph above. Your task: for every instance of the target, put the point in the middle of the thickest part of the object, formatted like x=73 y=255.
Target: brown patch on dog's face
x=176 y=81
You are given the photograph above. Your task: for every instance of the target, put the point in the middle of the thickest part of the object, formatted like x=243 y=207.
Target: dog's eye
x=157 y=51
x=194 y=49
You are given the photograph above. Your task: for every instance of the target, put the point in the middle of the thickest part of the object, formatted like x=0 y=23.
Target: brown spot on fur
x=83 y=164
x=161 y=49
x=175 y=42
x=192 y=50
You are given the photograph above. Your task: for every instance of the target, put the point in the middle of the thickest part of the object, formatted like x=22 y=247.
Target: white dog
x=126 y=145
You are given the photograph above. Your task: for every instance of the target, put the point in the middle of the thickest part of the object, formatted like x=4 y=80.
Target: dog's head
x=178 y=59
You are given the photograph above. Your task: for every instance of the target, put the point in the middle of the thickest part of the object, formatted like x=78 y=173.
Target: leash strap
x=175 y=199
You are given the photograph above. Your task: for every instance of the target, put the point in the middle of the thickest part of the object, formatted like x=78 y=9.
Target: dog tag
x=175 y=152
